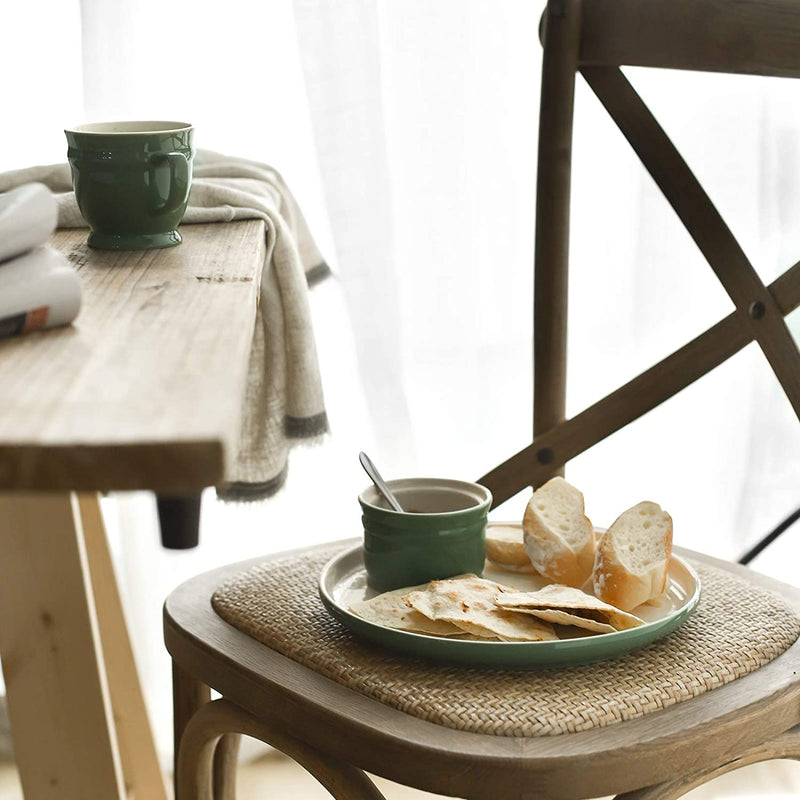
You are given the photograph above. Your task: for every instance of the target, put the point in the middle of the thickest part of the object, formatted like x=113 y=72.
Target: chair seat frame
x=291 y=700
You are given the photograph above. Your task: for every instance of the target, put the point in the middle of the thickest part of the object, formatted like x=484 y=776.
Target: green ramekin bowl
x=441 y=533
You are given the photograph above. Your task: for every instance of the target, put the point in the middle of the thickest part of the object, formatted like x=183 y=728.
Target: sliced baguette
x=559 y=538
x=633 y=557
x=505 y=549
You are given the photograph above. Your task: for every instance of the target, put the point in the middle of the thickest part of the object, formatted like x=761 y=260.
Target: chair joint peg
x=757 y=309
x=546 y=455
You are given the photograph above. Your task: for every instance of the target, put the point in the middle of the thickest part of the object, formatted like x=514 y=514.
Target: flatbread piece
x=566 y=605
x=390 y=610
x=469 y=603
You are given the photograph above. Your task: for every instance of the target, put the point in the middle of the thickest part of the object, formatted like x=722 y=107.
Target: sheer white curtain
x=408 y=133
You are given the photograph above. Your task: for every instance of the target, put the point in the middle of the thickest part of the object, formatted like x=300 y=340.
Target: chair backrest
x=596 y=37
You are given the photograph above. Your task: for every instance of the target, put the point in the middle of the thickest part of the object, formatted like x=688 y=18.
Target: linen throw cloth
x=284 y=402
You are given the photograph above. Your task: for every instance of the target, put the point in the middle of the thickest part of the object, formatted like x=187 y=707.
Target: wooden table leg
x=179 y=520
x=58 y=699
x=140 y=766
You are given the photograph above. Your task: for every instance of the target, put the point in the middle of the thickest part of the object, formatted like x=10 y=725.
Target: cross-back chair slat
x=573 y=30
x=756 y=306
x=634 y=399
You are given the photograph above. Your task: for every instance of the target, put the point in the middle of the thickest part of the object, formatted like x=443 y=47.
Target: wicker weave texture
x=736 y=629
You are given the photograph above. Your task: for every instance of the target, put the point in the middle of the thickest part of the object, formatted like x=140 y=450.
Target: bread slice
x=559 y=538
x=505 y=549
x=633 y=556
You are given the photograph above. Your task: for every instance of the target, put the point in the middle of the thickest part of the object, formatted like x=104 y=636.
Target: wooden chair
x=334 y=732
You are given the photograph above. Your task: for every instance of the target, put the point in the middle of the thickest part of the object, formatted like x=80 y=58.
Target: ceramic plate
x=343 y=581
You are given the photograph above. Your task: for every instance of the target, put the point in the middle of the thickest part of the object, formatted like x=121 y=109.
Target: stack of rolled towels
x=39 y=288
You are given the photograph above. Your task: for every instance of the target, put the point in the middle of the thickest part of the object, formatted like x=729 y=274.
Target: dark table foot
x=179 y=520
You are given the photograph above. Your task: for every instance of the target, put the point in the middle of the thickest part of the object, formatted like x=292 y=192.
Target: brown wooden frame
x=596 y=37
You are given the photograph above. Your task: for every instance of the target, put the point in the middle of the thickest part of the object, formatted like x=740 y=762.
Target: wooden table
x=143 y=391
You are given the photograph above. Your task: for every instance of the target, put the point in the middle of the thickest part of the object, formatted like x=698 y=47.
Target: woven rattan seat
x=712 y=649
x=721 y=692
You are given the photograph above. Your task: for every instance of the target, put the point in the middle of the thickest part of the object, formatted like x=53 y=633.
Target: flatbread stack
x=469 y=607
x=566 y=605
x=469 y=604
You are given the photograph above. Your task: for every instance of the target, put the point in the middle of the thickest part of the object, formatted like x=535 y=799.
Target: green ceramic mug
x=131 y=181
x=441 y=533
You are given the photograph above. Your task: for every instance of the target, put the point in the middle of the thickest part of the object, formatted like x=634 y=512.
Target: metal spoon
x=381 y=486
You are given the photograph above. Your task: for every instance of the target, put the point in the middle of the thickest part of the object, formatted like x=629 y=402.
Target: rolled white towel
x=40 y=289
x=28 y=216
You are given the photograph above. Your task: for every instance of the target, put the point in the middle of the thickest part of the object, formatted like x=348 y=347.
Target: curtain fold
x=340 y=49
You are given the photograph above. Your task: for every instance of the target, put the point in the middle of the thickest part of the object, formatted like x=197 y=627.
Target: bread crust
x=506 y=552
x=615 y=584
x=550 y=554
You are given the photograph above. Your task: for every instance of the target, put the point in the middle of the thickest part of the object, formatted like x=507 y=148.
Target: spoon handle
x=375 y=476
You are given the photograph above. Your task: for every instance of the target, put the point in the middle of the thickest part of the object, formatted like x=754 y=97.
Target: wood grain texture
x=218 y=718
x=140 y=765
x=757 y=37
x=144 y=390
x=226 y=759
x=635 y=398
x=189 y=695
x=58 y=699
x=787 y=745
x=346 y=725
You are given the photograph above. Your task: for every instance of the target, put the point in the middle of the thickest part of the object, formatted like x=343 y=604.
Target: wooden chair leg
x=226 y=758
x=140 y=765
x=58 y=699
x=188 y=696
x=220 y=717
x=787 y=745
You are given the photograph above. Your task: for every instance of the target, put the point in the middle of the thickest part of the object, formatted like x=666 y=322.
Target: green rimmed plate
x=343 y=581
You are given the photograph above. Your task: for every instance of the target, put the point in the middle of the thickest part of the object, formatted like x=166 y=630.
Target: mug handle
x=178 y=165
